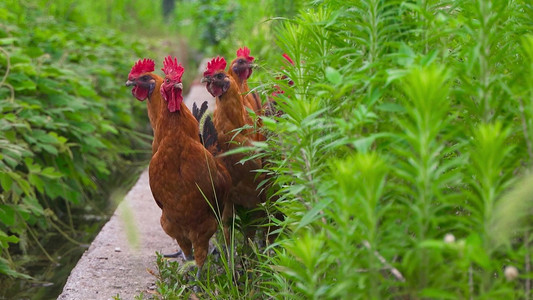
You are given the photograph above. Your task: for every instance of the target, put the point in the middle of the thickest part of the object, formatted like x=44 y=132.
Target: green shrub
x=67 y=121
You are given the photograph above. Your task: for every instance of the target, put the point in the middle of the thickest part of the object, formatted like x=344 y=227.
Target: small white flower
x=510 y=272
x=449 y=238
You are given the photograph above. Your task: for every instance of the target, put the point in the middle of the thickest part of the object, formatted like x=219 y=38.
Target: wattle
x=214 y=90
x=139 y=93
x=245 y=74
x=174 y=103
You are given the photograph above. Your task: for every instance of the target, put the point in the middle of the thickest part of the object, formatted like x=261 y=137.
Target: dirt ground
x=118 y=260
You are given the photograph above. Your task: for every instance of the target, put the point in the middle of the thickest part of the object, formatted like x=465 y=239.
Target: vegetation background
x=401 y=163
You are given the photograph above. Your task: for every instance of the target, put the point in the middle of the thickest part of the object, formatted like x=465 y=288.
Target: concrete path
x=198 y=93
x=114 y=264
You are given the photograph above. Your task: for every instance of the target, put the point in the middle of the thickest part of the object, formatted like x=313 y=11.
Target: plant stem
x=34 y=236
x=525 y=129
x=527 y=262
x=484 y=54
x=395 y=272
x=64 y=234
x=471 y=282
x=3 y=82
x=8 y=66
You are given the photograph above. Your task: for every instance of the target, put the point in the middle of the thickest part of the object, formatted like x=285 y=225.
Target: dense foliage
x=67 y=123
x=401 y=162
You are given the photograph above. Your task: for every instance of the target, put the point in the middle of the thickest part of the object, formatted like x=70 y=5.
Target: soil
x=121 y=259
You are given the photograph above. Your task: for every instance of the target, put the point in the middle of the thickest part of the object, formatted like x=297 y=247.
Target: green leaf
x=7 y=215
x=31 y=166
x=333 y=76
x=48 y=148
x=33 y=205
x=36 y=181
x=25 y=85
x=108 y=128
x=8 y=41
x=4 y=238
x=86 y=92
x=50 y=172
x=23 y=184
x=45 y=137
x=433 y=293
x=33 y=52
x=5 y=269
x=391 y=107
x=363 y=144
x=54 y=188
x=26 y=68
x=313 y=214
x=476 y=252
x=432 y=244
x=6 y=181
x=19 y=57
x=85 y=127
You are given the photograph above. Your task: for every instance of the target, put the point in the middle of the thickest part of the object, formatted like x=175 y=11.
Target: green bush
x=402 y=159
x=67 y=120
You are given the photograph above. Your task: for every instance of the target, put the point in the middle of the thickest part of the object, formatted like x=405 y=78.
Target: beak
x=204 y=80
x=253 y=66
x=179 y=85
x=130 y=83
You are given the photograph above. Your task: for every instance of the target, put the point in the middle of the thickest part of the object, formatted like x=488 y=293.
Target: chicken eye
x=145 y=78
x=167 y=80
x=220 y=76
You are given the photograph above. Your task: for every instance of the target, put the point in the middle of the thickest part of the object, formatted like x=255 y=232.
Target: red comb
x=245 y=52
x=216 y=64
x=288 y=58
x=172 y=69
x=141 y=66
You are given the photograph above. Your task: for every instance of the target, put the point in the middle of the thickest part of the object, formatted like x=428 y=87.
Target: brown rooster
x=228 y=119
x=189 y=185
x=241 y=69
x=146 y=85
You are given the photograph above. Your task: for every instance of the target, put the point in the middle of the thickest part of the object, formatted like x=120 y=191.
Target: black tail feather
x=209 y=133
x=196 y=112
x=203 y=109
x=199 y=113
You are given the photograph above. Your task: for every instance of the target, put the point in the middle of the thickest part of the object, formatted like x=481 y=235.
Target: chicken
x=228 y=118
x=182 y=172
x=240 y=70
x=146 y=85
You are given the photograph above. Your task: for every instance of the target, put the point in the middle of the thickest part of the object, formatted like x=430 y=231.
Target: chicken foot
x=177 y=254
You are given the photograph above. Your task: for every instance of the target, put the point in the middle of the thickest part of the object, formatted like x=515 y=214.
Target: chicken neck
x=154 y=101
x=176 y=125
x=229 y=114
